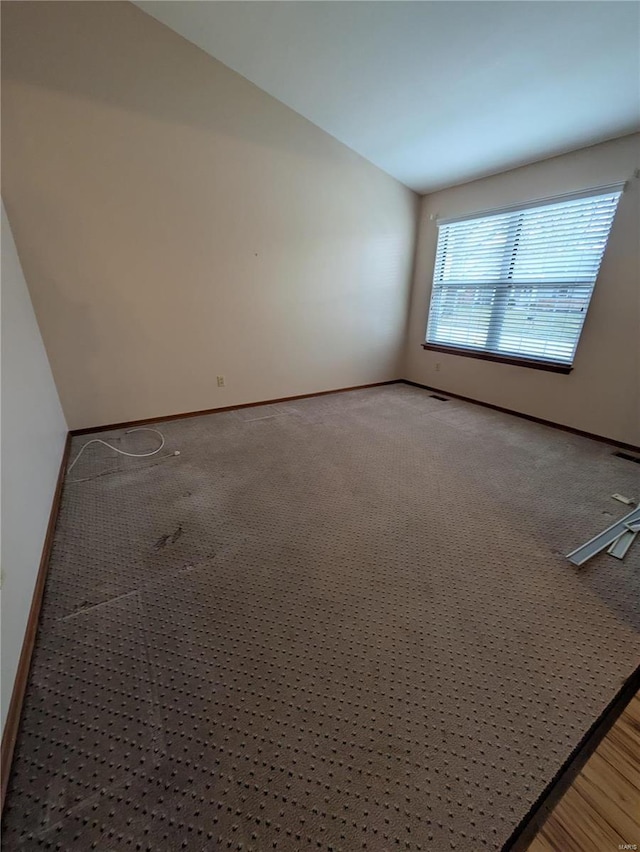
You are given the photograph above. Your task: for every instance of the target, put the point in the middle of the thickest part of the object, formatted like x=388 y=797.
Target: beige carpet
x=342 y=623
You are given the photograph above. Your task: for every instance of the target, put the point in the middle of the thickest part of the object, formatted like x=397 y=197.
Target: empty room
x=320 y=426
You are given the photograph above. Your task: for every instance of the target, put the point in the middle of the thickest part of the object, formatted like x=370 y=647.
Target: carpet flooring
x=340 y=623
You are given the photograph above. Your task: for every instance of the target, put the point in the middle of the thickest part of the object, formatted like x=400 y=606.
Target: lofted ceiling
x=435 y=93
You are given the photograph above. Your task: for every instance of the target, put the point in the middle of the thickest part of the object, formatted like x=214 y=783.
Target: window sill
x=550 y=366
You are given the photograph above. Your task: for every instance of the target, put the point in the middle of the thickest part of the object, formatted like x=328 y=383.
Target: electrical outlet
x=437 y=366
x=220 y=381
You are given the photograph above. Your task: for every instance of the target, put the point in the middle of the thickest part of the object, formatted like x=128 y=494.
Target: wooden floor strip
x=601 y=809
x=541 y=844
x=583 y=828
x=610 y=783
x=602 y=802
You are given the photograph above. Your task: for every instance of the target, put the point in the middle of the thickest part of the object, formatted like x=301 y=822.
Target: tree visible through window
x=519 y=283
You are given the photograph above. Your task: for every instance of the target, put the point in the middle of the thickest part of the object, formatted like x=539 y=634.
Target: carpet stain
x=169 y=538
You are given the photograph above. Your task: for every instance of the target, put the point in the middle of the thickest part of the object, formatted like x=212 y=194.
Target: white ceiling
x=435 y=93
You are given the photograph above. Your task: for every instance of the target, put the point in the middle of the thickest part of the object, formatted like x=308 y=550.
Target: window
x=516 y=284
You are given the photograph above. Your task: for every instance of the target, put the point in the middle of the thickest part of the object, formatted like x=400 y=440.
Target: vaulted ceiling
x=435 y=93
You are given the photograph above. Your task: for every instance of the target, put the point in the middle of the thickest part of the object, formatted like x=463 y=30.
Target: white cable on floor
x=157 y=461
x=122 y=452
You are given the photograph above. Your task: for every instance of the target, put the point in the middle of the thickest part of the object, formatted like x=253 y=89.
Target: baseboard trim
x=12 y=723
x=163 y=418
x=534 y=819
x=128 y=424
x=530 y=417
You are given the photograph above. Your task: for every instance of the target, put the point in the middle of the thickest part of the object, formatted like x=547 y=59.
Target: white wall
x=189 y=225
x=602 y=393
x=33 y=435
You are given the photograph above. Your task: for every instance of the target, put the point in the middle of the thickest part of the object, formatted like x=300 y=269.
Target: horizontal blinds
x=539 y=202
x=519 y=283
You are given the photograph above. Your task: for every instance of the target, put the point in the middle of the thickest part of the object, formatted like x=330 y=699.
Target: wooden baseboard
x=12 y=723
x=128 y=424
x=542 y=421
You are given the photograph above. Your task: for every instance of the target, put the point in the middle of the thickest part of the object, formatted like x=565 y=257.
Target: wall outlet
x=220 y=381
x=437 y=366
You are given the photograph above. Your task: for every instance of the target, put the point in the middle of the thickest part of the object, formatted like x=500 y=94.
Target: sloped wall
x=176 y=223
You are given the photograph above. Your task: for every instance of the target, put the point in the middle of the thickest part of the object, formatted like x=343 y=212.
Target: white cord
x=122 y=452
x=119 y=469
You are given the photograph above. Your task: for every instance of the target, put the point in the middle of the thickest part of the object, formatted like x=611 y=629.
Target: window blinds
x=518 y=283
